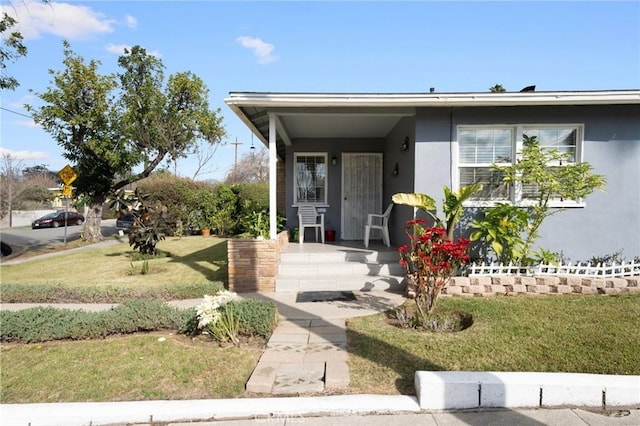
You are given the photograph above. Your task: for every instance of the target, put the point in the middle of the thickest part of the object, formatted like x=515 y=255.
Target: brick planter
x=512 y=285
x=253 y=264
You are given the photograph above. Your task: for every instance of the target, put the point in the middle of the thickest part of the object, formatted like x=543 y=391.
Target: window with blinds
x=480 y=147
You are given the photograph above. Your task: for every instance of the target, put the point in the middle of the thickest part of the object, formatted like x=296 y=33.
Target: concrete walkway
x=307 y=353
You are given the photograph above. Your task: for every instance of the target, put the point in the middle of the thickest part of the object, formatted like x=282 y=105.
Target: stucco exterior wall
x=609 y=222
x=403 y=181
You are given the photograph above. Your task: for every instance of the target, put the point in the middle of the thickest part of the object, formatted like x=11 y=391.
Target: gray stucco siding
x=608 y=222
x=403 y=181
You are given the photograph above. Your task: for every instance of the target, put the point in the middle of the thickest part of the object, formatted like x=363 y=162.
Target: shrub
x=225 y=317
x=174 y=194
x=41 y=324
x=255 y=195
x=501 y=229
x=257 y=317
x=223 y=211
x=60 y=293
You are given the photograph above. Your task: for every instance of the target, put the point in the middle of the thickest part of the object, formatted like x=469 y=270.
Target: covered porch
x=345 y=154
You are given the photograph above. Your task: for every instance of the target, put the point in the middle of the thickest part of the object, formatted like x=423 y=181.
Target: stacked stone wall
x=514 y=285
x=253 y=264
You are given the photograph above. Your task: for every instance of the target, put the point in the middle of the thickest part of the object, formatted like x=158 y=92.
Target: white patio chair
x=378 y=221
x=308 y=217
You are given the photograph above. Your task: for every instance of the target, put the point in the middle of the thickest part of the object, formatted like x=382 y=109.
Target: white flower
x=207 y=311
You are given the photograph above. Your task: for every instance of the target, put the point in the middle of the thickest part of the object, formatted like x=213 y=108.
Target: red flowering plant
x=430 y=260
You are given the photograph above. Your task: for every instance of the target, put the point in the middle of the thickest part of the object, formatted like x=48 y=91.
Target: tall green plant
x=502 y=227
x=550 y=173
x=453 y=205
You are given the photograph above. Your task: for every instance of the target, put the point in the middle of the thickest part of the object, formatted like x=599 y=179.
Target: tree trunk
x=93 y=220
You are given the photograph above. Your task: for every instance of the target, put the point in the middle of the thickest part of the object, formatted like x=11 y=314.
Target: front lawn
x=194 y=265
x=570 y=333
x=128 y=368
x=584 y=334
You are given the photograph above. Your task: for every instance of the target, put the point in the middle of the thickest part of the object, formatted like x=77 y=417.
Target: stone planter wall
x=253 y=264
x=513 y=285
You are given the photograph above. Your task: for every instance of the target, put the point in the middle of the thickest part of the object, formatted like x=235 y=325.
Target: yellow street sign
x=67 y=175
x=67 y=190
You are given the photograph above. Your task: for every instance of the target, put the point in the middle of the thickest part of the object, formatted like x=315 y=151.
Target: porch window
x=310 y=178
x=479 y=147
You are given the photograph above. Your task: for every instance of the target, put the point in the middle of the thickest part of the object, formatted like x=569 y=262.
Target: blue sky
x=325 y=46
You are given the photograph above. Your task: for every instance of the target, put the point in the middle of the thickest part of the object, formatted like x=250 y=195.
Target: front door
x=361 y=192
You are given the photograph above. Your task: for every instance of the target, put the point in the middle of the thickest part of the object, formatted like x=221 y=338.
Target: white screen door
x=361 y=192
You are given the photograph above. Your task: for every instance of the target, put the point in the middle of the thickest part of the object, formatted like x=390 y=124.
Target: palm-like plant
x=453 y=205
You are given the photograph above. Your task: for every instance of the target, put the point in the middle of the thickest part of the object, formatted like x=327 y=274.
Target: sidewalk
x=322 y=411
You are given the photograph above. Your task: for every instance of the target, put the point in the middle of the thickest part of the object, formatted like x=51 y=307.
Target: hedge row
x=41 y=324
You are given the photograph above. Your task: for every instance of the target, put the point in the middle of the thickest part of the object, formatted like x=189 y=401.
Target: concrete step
x=327 y=283
x=341 y=255
x=338 y=269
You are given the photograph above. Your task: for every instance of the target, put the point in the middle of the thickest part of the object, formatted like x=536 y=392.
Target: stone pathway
x=303 y=356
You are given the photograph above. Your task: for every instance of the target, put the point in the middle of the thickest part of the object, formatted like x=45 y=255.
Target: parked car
x=131 y=219
x=54 y=220
x=5 y=249
x=125 y=221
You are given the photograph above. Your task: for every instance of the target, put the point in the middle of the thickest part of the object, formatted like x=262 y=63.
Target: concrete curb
x=444 y=390
x=102 y=413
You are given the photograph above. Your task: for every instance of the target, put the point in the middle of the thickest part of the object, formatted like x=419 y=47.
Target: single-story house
x=348 y=153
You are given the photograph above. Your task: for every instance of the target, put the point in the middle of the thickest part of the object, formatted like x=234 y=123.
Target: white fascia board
x=432 y=99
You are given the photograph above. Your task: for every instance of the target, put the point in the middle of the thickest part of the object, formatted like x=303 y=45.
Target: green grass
x=130 y=368
x=585 y=334
x=111 y=274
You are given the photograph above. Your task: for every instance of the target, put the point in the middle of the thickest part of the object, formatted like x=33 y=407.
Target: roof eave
x=272 y=100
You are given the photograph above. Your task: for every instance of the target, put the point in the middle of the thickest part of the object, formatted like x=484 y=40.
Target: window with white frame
x=479 y=147
x=310 y=178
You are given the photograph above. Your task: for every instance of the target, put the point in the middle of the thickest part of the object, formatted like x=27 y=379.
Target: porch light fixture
x=395 y=170
x=334 y=160
x=405 y=145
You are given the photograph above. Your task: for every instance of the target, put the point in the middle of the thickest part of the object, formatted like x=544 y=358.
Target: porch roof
x=371 y=115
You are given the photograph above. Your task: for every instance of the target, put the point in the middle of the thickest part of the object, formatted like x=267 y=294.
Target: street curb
x=445 y=390
x=103 y=413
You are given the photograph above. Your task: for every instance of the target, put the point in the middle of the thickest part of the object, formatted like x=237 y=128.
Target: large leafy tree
x=10 y=50
x=116 y=129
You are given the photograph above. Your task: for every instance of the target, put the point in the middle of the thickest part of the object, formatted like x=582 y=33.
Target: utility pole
x=235 y=161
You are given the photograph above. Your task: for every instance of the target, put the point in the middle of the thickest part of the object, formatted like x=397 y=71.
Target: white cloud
x=262 y=50
x=23 y=155
x=118 y=49
x=131 y=22
x=70 y=21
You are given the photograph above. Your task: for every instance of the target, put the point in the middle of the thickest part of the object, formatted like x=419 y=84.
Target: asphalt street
x=23 y=238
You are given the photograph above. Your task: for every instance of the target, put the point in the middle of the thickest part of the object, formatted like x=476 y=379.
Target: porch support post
x=273 y=159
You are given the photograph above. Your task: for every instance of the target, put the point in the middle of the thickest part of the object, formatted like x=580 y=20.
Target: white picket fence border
x=630 y=269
